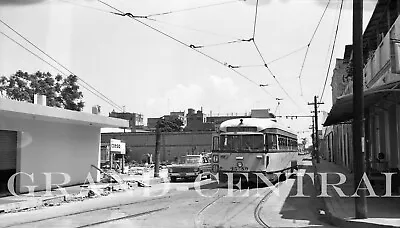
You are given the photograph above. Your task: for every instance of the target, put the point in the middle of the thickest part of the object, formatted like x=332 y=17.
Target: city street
x=186 y=205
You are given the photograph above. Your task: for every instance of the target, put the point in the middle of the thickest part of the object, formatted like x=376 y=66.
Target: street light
x=263 y=85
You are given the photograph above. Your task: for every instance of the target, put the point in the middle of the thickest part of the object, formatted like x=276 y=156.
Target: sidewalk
x=340 y=211
x=26 y=202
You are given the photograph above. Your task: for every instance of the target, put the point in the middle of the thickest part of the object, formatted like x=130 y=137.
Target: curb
x=52 y=201
x=20 y=206
x=334 y=220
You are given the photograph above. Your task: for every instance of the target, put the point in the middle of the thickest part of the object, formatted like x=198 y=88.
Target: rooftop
x=25 y=110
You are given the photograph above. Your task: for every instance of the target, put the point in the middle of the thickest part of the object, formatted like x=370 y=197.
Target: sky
x=150 y=73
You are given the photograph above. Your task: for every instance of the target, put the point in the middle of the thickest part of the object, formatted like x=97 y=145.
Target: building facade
x=135 y=119
x=39 y=142
x=173 y=144
x=381 y=94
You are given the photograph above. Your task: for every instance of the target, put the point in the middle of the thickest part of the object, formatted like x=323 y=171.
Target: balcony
x=383 y=65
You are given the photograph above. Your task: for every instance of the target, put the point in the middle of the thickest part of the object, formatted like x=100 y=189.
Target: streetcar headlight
x=215 y=158
x=240 y=164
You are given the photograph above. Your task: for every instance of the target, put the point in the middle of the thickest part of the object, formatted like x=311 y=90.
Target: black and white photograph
x=200 y=113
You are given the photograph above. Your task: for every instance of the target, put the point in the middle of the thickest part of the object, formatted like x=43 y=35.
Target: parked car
x=192 y=167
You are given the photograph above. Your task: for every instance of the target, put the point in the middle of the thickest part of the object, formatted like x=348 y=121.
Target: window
x=242 y=142
x=272 y=142
x=192 y=160
x=252 y=142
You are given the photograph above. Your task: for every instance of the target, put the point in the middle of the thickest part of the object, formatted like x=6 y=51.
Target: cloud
x=150 y=101
x=180 y=97
x=225 y=85
x=20 y=2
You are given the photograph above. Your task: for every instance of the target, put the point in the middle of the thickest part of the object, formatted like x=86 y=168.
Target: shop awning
x=342 y=110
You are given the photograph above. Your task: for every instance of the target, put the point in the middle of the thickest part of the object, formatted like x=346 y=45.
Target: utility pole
x=157 y=152
x=358 y=109
x=316 y=126
x=313 y=138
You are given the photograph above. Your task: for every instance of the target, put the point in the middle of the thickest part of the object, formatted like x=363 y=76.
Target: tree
x=60 y=92
x=174 y=125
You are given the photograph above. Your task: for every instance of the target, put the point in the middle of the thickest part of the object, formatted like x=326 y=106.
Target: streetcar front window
x=252 y=142
x=242 y=142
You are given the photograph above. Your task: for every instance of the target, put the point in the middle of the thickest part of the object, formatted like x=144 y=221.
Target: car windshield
x=242 y=142
x=192 y=160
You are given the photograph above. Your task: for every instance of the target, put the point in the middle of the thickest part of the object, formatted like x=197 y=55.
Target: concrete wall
x=173 y=144
x=53 y=147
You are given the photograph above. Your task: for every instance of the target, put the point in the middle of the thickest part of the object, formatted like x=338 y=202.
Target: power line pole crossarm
x=316 y=127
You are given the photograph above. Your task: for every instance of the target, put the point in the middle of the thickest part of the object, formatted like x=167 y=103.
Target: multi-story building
x=176 y=115
x=135 y=119
x=381 y=54
x=196 y=121
x=152 y=122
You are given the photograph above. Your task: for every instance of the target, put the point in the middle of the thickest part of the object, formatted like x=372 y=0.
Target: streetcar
x=260 y=147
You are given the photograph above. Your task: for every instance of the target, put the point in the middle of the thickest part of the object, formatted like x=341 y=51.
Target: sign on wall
x=116 y=146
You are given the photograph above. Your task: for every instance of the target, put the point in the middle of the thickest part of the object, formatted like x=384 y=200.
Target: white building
x=35 y=139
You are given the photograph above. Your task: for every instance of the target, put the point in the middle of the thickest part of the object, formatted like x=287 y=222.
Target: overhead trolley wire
x=102 y=96
x=85 y=6
x=265 y=63
x=120 y=12
x=308 y=46
x=193 y=29
x=255 y=20
x=54 y=67
x=193 y=8
x=273 y=75
x=223 y=43
x=274 y=60
x=286 y=55
x=333 y=49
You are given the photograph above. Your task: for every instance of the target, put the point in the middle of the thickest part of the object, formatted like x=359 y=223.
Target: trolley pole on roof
x=358 y=109
x=316 y=126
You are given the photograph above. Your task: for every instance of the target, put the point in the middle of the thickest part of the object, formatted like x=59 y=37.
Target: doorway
x=8 y=159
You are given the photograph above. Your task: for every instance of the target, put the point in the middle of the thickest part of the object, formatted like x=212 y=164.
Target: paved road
x=210 y=205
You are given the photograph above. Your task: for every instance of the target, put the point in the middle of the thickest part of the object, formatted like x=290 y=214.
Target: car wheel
x=173 y=179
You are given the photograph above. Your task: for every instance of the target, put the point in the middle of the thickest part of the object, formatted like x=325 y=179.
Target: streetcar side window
x=272 y=141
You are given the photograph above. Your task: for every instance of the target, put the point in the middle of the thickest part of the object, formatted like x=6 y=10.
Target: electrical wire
x=54 y=67
x=333 y=49
x=273 y=75
x=265 y=63
x=85 y=6
x=308 y=46
x=255 y=20
x=102 y=96
x=182 y=43
x=193 y=8
x=223 y=43
x=274 y=60
x=286 y=55
x=193 y=29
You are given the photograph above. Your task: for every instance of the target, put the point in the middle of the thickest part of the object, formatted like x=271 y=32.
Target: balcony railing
x=383 y=65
